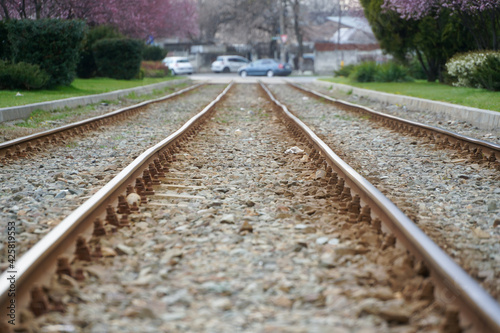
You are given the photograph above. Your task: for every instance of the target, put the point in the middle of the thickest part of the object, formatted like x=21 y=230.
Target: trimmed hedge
x=22 y=76
x=87 y=67
x=118 y=58
x=52 y=44
x=479 y=69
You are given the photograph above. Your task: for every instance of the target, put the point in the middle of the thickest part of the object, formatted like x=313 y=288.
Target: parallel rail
x=19 y=147
x=477 y=306
x=456 y=285
x=479 y=148
x=39 y=263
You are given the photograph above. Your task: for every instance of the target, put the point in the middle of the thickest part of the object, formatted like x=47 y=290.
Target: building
x=351 y=42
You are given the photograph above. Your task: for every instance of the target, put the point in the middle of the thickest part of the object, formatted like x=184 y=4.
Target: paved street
x=226 y=78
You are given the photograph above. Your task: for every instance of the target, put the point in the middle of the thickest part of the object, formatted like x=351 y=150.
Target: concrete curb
x=24 y=111
x=484 y=119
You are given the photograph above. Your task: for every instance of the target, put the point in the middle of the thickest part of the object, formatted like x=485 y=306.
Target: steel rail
x=476 y=304
x=485 y=146
x=22 y=141
x=41 y=258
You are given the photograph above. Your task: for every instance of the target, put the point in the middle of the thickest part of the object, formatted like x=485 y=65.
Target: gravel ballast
x=39 y=191
x=453 y=199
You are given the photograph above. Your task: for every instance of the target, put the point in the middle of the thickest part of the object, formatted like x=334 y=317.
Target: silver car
x=178 y=65
x=228 y=63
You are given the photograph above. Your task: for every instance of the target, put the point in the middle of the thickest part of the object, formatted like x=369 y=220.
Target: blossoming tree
x=480 y=17
x=136 y=18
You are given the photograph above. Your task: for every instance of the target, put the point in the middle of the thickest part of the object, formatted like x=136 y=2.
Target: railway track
x=21 y=147
x=295 y=207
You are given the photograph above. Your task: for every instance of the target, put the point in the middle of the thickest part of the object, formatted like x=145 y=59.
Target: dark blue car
x=269 y=67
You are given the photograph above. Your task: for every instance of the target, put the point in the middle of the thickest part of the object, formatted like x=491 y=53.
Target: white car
x=228 y=63
x=178 y=65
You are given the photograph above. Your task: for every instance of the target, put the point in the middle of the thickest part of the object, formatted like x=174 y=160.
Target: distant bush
x=364 y=72
x=391 y=72
x=479 y=69
x=153 y=53
x=52 y=44
x=344 y=71
x=118 y=58
x=87 y=67
x=370 y=71
x=154 y=69
x=22 y=76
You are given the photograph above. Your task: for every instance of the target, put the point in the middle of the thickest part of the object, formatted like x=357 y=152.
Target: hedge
x=118 y=58
x=22 y=76
x=50 y=43
x=87 y=67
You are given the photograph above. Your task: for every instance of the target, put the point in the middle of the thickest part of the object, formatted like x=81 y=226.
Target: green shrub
x=391 y=72
x=87 y=67
x=153 y=53
x=118 y=58
x=344 y=71
x=479 y=69
x=22 y=76
x=51 y=43
x=364 y=72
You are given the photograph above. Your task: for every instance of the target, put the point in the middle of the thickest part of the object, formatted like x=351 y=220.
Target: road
x=226 y=78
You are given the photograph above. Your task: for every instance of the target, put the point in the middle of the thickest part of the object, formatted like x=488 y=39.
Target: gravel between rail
x=455 y=201
x=249 y=244
x=39 y=191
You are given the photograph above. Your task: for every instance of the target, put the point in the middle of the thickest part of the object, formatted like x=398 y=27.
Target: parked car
x=178 y=65
x=228 y=63
x=269 y=67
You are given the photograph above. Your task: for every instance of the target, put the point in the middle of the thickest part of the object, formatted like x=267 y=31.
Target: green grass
x=79 y=87
x=477 y=98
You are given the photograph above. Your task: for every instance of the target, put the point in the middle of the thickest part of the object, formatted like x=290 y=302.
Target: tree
x=431 y=39
x=480 y=17
x=135 y=18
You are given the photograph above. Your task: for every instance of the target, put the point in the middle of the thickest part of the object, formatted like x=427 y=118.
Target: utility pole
x=282 y=30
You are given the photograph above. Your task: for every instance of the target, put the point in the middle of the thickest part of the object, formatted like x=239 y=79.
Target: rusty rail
x=480 y=149
x=20 y=146
x=455 y=284
x=37 y=265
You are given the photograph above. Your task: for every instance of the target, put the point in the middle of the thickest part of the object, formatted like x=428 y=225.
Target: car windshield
x=220 y=59
x=182 y=60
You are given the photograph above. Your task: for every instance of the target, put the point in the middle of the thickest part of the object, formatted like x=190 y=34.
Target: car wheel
x=173 y=72
x=225 y=70
x=243 y=74
x=270 y=74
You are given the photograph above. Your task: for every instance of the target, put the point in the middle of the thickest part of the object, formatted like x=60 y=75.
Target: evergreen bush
x=344 y=71
x=22 y=76
x=364 y=72
x=391 y=72
x=118 y=58
x=153 y=53
x=87 y=67
x=52 y=44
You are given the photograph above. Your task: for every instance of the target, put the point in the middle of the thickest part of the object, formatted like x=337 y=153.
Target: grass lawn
x=477 y=98
x=79 y=87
